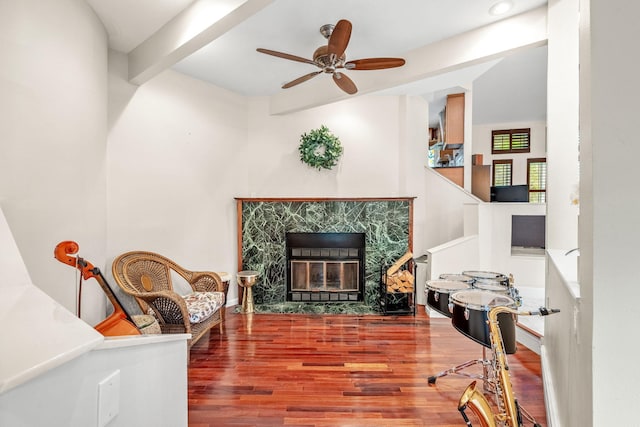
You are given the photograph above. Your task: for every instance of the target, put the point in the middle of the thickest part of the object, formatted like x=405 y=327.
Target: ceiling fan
x=331 y=58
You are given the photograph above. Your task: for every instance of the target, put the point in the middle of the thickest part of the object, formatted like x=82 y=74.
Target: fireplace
x=263 y=224
x=325 y=267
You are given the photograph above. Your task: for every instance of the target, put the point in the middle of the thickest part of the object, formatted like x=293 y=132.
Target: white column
x=609 y=203
x=562 y=124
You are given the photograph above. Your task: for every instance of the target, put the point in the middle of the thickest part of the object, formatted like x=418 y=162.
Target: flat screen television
x=528 y=231
x=510 y=193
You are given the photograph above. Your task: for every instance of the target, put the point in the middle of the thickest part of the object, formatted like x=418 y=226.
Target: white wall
x=53 y=120
x=569 y=333
x=368 y=128
x=176 y=161
x=180 y=150
x=444 y=216
x=607 y=228
x=486 y=245
x=562 y=124
x=413 y=162
x=482 y=145
x=495 y=243
x=609 y=232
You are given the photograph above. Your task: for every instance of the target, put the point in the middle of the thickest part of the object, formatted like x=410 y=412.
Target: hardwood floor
x=338 y=370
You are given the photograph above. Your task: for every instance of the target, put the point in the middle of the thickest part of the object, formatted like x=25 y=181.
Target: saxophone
x=509 y=413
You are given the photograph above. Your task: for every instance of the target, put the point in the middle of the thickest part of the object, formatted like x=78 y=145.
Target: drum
x=492 y=285
x=457 y=277
x=438 y=292
x=479 y=275
x=471 y=312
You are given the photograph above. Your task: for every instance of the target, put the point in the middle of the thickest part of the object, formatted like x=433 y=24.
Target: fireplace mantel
x=262 y=223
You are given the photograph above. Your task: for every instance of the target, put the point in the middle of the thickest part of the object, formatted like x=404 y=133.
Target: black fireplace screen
x=325 y=267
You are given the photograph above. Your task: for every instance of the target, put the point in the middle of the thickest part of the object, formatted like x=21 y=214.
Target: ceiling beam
x=473 y=47
x=198 y=25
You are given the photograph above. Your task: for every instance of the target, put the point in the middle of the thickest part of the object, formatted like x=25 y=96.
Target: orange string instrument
x=117 y=323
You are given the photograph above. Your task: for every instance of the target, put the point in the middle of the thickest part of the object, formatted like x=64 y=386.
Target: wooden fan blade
x=374 y=63
x=339 y=38
x=285 y=56
x=345 y=83
x=301 y=79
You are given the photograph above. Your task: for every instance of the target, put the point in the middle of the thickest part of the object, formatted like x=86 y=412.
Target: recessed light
x=501 y=7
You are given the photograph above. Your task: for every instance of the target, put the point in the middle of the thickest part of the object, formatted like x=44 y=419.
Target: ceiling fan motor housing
x=323 y=60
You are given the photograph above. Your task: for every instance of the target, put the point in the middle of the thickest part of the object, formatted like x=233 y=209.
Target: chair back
x=139 y=272
x=147 y=277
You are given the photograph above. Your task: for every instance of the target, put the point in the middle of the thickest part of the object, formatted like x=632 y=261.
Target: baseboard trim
x=528 y=338
x=433 y=313
x=550 y=398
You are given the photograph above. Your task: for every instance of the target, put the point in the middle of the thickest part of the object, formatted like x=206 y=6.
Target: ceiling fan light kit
x=331 y=57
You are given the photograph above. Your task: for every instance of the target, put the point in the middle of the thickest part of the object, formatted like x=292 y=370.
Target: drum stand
x=488 y=383
x=456 y=369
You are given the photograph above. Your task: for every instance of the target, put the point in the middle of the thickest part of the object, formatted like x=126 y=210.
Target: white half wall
x=444 y=216
x=151 y=389
x=455 y=256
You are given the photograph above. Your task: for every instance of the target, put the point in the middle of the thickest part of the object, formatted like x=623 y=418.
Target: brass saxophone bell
x=471 y=398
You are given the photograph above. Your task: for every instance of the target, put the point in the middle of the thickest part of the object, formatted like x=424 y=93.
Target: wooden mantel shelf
x=320 y=199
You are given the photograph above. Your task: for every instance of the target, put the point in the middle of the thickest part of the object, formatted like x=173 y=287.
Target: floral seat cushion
x=201 y=305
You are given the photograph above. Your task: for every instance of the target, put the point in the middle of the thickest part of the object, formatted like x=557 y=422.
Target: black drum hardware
x=467 y=298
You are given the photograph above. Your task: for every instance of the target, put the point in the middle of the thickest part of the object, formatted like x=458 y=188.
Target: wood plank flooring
x=300 y=370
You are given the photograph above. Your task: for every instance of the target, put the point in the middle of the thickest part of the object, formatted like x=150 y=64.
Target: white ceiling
x=130 y=22
x=381 y=28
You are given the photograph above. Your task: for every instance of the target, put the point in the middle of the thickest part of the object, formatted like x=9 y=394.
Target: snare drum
x=492 y=285
x=471 y=312
x=438 y=292
x=457 y=277
x=487 y=275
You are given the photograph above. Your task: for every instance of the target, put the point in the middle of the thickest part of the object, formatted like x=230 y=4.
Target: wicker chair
x=147 y=277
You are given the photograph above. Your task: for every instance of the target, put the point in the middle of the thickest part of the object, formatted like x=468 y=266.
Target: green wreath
x=320 y=149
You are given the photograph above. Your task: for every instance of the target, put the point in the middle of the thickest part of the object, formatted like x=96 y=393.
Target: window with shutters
x=502 y=172
x=537 y=180
x=510 y=141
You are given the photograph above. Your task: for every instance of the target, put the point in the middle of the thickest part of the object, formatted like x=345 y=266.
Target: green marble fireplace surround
x=263 y=222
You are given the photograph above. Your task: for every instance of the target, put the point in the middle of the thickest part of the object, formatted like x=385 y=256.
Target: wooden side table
x=246 y=279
